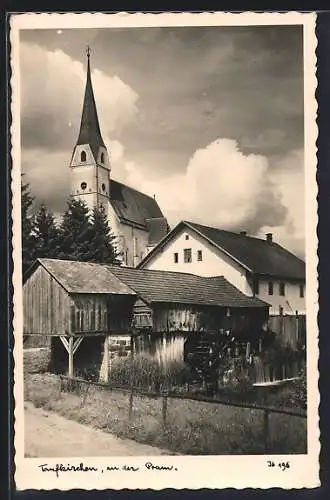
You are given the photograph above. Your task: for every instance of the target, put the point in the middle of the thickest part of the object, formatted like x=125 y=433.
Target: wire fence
x=82 y=388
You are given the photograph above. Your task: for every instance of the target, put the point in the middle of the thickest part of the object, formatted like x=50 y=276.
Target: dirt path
x=50 y=435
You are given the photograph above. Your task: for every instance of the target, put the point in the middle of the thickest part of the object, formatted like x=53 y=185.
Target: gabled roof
x=83 y=277
x=90 y=132
x=183 y=288
x=132 y=206
x=151 y=286
x=254 y=254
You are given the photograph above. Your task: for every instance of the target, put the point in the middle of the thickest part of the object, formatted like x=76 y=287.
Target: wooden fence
x=81 y=386
x=291 y=329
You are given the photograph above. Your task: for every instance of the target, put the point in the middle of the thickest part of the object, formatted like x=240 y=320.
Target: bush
x=145 y=372
x=236 y=375
x=300 y=389
x=292 y=394
x=36 y=360
x=90 y=373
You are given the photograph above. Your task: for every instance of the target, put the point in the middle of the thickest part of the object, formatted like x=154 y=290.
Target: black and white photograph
x=165 y=260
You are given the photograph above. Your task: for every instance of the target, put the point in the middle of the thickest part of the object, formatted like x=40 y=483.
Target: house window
x=176 y=257
x=301 y=291
x=83 y=185
x=255 y=287
x=102 y=157
x=270 y=288
x=187 y=236
x=83 y=156
x=103 y=187
x=282 y=289
x=187 y=255
x=199 y=255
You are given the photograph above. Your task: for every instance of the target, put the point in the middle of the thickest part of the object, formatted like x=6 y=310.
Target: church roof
x=90 y=132
x=132 y=206
x=157 y=228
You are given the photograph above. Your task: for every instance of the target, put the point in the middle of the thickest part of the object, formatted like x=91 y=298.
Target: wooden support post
x=104 y=370
x=71 y=347
x=106 y=359
x=70 y=352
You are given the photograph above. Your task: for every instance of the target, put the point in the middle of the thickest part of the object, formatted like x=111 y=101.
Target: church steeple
x=90 y=166
x=89 y=127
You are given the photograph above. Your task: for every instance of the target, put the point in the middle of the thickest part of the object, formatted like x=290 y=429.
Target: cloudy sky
x=209 y=119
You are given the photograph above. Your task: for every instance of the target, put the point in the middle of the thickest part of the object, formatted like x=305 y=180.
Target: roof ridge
x=158 y=271
x=134 y=189
x=227 y=231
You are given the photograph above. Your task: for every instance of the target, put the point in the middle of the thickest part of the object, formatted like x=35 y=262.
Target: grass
x=192 y=427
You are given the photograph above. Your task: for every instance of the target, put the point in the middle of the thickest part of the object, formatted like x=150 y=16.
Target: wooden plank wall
x=101 y=313
x=186 y=318
x=46 y=305
x=162 y=348
x=290 y=329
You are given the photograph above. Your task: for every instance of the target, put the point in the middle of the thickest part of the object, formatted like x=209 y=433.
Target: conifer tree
x=28 y=240
x=46 y=234
x=74 y=234
x=101 y=246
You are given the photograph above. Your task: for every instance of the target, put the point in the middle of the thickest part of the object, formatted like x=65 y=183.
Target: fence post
x=164 y=410
x=84 y=396
x=266 y=431
x=60 y=387
x=130 y=407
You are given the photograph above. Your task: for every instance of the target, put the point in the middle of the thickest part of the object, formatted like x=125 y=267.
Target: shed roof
x=183 y=288
x=85 y=277
x=151 y=286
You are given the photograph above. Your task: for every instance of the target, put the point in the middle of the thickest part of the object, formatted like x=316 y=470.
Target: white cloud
x=224 y=188
x=52 y=87
x=288 y=176
x=52 y=90
x=220 y=187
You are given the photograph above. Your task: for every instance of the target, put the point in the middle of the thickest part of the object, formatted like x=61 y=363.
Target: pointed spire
x=89 y=128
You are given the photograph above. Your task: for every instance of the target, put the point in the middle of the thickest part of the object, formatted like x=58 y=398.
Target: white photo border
x=193 y=472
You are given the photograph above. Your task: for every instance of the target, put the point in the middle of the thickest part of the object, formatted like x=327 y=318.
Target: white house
x=257 y=267
x=134 y=217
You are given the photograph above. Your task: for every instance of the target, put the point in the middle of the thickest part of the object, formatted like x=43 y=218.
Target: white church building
x=134 y=217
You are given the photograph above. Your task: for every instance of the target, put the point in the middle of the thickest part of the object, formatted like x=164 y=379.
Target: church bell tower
x=90 y=166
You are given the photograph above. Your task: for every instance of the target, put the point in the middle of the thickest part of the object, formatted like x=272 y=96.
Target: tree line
x=79 y=236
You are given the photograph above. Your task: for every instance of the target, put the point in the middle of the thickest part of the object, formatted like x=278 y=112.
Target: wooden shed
x=71 y=300
x=165 y=313
x=174 y=310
